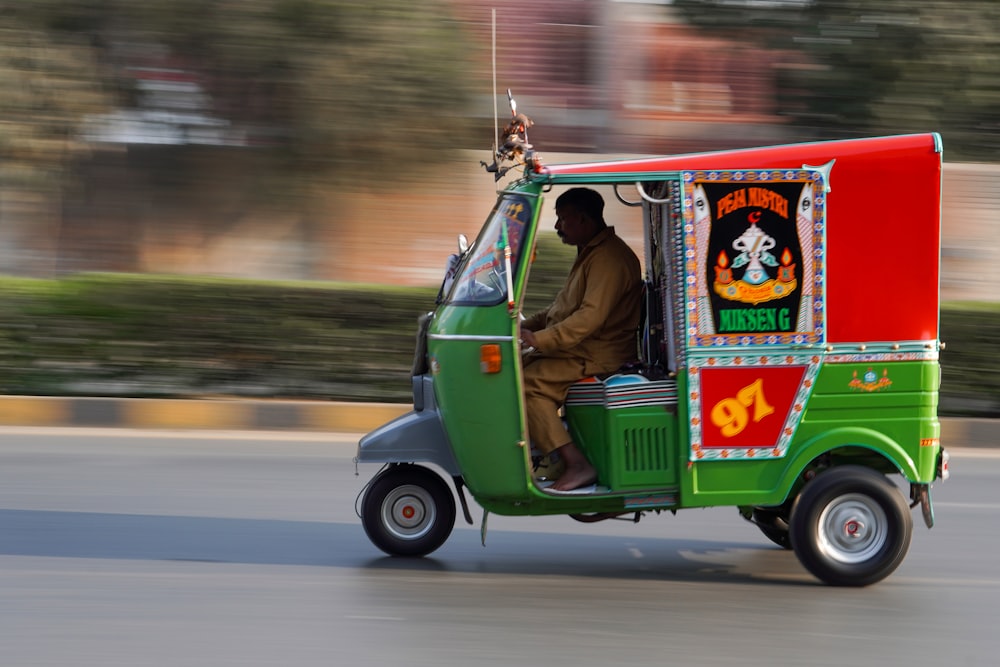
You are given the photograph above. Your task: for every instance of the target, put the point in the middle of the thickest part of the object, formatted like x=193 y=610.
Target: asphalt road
x=141 y=548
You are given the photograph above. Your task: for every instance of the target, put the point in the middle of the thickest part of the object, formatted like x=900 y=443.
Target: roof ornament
x=515 y=147
x=511 y=145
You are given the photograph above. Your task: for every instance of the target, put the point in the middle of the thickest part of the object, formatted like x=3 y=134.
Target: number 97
x=730 y=417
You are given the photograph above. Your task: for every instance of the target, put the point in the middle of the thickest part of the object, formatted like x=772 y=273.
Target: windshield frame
x=485 y=276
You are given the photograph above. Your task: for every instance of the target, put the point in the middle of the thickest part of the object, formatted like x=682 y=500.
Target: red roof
x=883 y=224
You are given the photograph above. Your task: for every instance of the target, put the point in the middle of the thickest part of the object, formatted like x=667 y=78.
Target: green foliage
x=153 y=335
x=50 y=82
x=148 y=335
x=338 y=85
x=890 y=67
x=352 y=85
x=128 y=335
x=970 y=385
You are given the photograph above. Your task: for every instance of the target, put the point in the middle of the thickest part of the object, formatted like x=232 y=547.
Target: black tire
x=408 y=511
x=773 y=522
x=851 y=526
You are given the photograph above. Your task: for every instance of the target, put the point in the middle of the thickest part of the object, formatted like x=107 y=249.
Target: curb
x=250 y=415
x=168 y=413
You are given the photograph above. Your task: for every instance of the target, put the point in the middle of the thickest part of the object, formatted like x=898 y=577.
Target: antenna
x=496 y=118
x=515 y=148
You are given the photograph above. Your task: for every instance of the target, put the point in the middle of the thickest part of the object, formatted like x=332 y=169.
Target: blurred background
x=339 y=142
x=282 y=138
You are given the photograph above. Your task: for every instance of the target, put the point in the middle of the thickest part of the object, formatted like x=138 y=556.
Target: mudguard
x=416 y=437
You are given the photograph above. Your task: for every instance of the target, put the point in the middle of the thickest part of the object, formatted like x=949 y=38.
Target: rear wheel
x=408 y=511
x=773 y=522
x=851 y=526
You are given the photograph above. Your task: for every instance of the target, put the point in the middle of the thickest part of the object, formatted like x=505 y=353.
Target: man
x=590 y=328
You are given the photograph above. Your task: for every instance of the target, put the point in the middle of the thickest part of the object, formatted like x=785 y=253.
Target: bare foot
x=575 y=476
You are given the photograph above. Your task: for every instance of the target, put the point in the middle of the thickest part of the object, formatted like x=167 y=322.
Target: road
x=138 y=548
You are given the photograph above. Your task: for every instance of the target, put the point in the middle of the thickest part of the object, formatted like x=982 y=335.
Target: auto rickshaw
x=786 y=364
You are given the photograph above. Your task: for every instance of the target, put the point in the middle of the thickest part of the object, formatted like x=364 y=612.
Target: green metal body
x=645 y=454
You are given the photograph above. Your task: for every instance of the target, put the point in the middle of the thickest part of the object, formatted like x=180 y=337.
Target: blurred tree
x=50 y=81
x=891 y=67
x=377 y=85
x=311 y=94
x=339 y=85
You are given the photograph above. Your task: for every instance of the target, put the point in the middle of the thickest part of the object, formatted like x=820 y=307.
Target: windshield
x=484 y=276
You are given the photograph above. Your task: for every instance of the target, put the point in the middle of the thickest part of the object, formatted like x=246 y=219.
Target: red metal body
x=878 y=280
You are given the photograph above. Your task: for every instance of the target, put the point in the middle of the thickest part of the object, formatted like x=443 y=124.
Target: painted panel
x=747 y=407
x=754 y=243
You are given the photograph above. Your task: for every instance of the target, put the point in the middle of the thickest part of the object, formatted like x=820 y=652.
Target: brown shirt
x=595 y=315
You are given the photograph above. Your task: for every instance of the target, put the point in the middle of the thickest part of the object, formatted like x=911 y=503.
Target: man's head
x=579 y=216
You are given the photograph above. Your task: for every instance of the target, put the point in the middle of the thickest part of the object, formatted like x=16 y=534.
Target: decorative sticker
x=856 y=357
x=748 y=407
x=512 y=215
x=484 y=278
x=754 y=245
x=870 y=381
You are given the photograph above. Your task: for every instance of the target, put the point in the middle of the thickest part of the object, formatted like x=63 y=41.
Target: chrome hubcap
x=852 y=529
x=408 y=512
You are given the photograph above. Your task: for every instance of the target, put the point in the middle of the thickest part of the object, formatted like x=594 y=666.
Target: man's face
x=571 y=226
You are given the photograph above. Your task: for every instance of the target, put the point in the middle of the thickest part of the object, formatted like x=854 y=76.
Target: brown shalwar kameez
x=589 y=329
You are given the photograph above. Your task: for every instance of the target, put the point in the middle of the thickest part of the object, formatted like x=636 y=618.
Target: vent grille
x=646 y=450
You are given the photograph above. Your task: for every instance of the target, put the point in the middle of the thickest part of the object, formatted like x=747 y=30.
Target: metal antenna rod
x=496 y=121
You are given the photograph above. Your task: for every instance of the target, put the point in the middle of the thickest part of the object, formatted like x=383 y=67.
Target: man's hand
x=528 y=338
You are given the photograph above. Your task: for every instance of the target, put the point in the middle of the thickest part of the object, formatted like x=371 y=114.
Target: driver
x=590 y=328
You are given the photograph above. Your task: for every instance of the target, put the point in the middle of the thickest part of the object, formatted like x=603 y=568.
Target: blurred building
x=169 y=102
x=172 y=184
x=610 y=76
x=970 y=242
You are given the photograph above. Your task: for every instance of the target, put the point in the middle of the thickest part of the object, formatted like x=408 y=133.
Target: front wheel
x=851 y=526
x=408 y=511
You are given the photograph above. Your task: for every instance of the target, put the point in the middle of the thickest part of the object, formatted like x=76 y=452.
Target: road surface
x=139 y=548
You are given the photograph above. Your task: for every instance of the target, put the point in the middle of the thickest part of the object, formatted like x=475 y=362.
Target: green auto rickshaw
x=786 y=364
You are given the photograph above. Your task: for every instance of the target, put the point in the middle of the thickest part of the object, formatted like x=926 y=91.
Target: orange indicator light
x=489 y=358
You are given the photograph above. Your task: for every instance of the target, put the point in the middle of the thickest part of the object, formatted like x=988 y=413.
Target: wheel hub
x=408 y=512
x=853 y=528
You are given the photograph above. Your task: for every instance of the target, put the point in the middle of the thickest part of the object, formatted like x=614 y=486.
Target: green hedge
x=143 y=335
x=129 y=335
x=970 y=361
x=140 y=335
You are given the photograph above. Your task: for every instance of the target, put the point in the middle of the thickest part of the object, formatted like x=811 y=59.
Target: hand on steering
x=528 y=338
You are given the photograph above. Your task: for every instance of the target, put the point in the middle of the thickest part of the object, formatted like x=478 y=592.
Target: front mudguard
x=418 y=436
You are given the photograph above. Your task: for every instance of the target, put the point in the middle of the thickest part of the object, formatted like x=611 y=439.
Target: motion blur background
x=218 y=198
x=328 y=140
